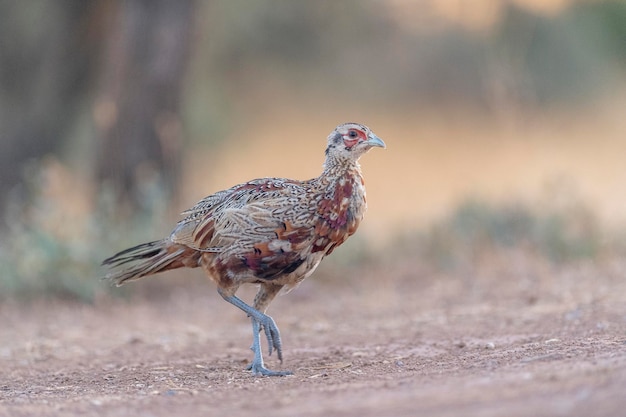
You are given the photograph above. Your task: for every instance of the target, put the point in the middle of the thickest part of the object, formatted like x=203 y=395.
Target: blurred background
x=504 y=121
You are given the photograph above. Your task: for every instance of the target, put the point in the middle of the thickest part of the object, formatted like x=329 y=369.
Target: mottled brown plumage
x=269 y=231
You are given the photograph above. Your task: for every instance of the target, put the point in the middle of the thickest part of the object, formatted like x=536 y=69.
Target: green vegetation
x=477 y=228
x=46 y=253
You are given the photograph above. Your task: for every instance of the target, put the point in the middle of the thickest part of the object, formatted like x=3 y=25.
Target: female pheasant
x=270 y=231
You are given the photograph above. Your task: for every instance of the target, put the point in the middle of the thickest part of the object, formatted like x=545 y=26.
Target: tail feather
x=148 y=259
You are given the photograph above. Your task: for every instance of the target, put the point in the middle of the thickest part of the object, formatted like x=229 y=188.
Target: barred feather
x=145 y=259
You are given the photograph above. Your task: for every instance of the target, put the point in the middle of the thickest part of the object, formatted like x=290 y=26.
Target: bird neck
x=341 y=167
x=338 y=165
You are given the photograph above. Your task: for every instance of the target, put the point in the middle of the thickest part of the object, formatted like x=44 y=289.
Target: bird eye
x=352 y=134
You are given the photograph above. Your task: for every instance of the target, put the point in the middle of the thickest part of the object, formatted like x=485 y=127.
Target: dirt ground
x=508 y=336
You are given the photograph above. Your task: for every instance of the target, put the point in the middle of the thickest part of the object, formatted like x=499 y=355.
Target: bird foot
x=258 y=369
x=273 y=336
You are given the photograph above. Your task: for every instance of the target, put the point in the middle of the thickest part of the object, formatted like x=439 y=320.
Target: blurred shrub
x=48 y=248
x=477 y=228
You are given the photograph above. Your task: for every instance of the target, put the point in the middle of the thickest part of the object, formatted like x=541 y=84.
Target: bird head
x=349 y=141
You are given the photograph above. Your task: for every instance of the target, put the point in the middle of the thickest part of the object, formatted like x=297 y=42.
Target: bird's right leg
x=265 y=295
x=271 y=332
x=257 y=367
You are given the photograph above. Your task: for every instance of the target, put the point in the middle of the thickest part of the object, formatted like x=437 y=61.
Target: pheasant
x=270 y=231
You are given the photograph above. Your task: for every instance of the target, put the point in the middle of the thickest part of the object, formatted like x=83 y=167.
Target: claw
x=273 y=336
x=260 y=370
x=269 y=327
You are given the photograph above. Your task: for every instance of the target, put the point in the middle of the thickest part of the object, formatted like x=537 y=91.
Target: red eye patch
x=353 y=137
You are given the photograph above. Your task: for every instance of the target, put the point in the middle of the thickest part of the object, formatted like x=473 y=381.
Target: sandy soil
x=509 y=336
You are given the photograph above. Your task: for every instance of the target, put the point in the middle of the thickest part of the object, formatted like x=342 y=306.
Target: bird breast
x=340 y=212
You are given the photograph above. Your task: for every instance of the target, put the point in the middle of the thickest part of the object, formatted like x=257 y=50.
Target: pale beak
x=373 y=140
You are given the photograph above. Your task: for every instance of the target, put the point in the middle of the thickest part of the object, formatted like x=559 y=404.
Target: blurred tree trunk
x=137 y=109
x=45 y=68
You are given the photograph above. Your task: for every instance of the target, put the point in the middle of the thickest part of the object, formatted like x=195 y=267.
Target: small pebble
x=490 y=345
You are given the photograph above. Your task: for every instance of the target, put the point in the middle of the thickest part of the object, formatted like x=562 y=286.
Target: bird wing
x=266 y=225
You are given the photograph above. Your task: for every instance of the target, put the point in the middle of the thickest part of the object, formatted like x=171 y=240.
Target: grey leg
x=257 y=367
x=260 y=320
